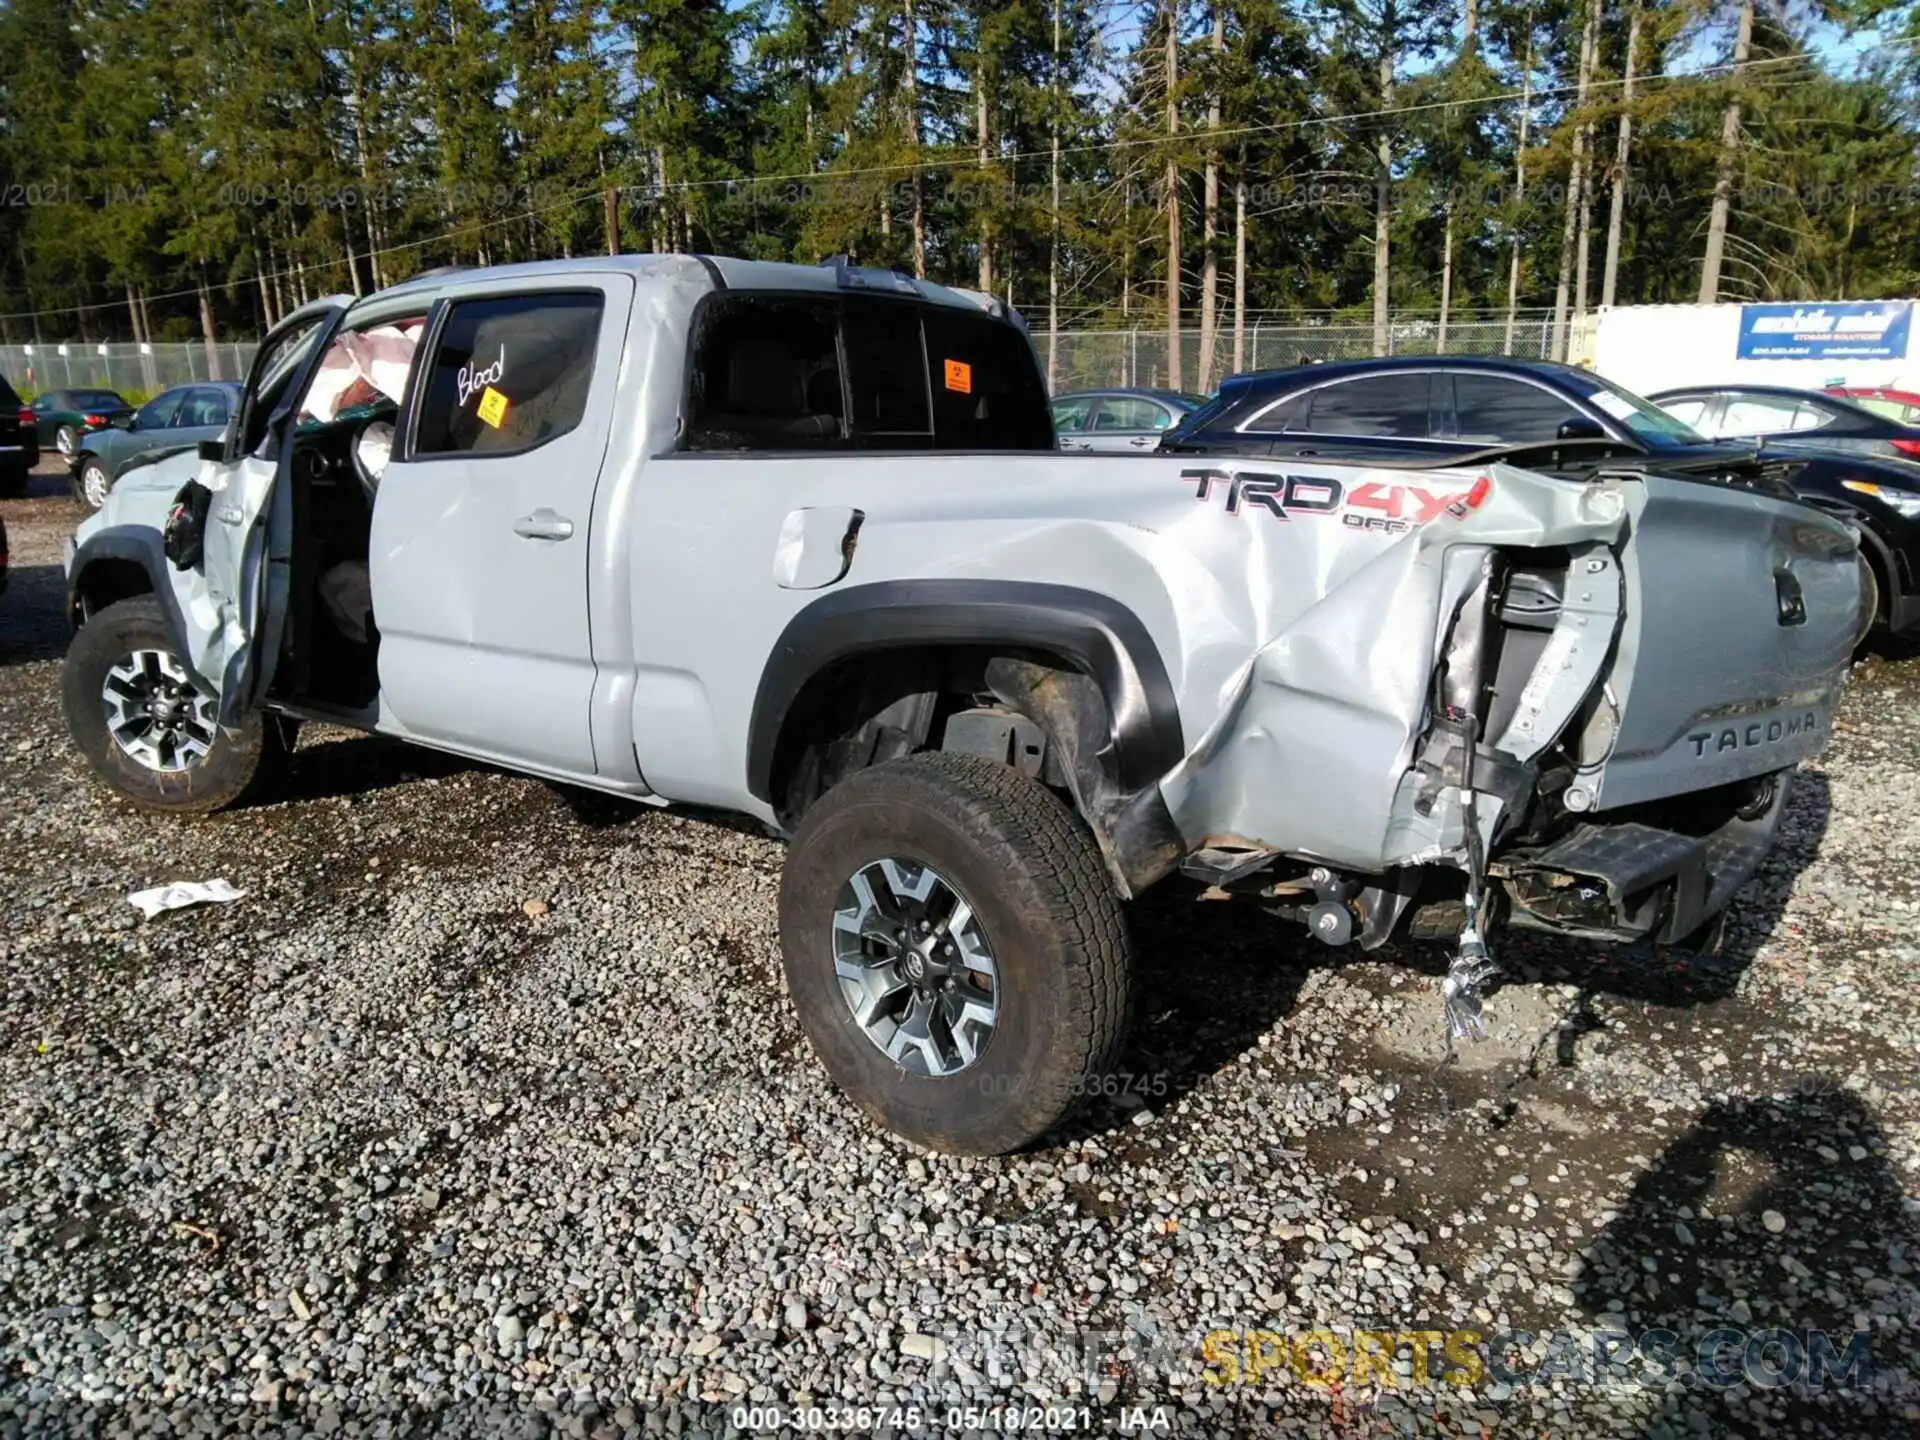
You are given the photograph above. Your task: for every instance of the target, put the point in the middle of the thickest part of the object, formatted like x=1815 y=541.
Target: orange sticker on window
x=960 y=377
x=492 y=407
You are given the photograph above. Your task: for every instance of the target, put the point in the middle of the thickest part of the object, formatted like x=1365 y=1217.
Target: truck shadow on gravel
x=1775 y=1215
x=346 y=763
x=33 y=623
x=1212 y=977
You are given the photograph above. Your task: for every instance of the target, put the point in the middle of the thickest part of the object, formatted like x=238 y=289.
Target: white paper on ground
x=183 y=893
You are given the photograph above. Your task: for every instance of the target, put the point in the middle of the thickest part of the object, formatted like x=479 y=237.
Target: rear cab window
x=772 y=372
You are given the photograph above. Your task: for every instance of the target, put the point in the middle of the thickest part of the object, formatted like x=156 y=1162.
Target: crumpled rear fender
x=1314 y=743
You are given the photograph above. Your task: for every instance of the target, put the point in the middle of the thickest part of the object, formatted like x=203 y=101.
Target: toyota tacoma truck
x=797 y=542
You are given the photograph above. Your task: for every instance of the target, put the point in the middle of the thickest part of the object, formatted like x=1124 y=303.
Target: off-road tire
x=1035 y=879
x=77 y=481
x=242 y=763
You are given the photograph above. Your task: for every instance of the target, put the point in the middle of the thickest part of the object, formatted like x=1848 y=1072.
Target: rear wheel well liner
x=875 y=669
x=1092 y=633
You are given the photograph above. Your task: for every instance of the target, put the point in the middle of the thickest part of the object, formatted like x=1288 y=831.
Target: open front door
x=234 y=595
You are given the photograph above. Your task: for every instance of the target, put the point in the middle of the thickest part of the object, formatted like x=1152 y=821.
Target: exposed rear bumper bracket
x=1627 y=880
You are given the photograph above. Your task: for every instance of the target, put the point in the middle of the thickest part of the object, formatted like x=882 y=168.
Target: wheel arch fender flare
x=1095 y=633
x=118 y=547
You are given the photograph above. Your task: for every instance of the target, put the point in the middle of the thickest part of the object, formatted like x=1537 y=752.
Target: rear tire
x=13 y=481
x=1041 y=908
x=66 y=440
x=238 y=764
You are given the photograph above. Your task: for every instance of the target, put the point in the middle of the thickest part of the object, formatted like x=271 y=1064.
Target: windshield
x=1646 y=420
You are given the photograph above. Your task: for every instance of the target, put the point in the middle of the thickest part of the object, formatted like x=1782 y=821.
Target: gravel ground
x=484 y=1110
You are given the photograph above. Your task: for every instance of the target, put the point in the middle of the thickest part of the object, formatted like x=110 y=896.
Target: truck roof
x=833 y=276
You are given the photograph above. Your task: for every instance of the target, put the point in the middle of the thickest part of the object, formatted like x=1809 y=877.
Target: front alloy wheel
x=147 y=729
x=154 y=713
x=915 y=967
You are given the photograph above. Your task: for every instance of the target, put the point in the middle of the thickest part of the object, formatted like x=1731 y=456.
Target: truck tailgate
x=1741 y=613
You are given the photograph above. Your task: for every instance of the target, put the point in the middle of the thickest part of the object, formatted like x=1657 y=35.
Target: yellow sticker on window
x=960 y=377
x=492 y=407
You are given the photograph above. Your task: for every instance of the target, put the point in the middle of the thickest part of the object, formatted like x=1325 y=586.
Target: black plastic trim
x=1093 y=632
x=713 y=270
x=142 y=545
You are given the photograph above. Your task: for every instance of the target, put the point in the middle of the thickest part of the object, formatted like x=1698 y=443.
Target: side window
x=1129 y=412
x=1289 y=414
x=987 y=391
x=1891 y=409
x=1756 y=415
x=1070 y=416
x=365 y=370
x=886 y=375
x=765 y=375
x=203 y=407
x=1506 y=412
x=509 y=373
x=274 y=366
x=160 y=412
x=1690 y=411
x=1390 y=406
x=1809 y=416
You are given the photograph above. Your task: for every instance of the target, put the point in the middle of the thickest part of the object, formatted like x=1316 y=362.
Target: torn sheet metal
x=1310 y=750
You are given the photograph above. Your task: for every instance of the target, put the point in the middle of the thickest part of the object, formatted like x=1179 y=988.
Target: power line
x=914 y=167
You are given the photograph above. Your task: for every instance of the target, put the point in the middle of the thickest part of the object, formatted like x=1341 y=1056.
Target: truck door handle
x=543 y=524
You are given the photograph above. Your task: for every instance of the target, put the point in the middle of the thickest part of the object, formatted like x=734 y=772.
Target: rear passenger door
x=479 y=550
x=1489 y=410
x=1072 y=415
x=1128 y=422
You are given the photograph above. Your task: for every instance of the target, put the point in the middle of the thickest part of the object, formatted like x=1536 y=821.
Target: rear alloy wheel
x=66 y=440
x=955 y=950
x=147 y=729
x=915 y=967
x=91 y=483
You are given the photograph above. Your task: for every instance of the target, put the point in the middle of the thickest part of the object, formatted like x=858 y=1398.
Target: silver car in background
x=1116 y=420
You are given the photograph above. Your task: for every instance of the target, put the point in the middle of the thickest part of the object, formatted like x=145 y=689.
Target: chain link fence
x=1102 y=359
x=1075 y=359
x=133 y=370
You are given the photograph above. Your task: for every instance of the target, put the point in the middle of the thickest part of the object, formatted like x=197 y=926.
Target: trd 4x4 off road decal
x=1370 y=506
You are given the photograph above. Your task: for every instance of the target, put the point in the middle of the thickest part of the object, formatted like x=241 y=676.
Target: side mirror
x=213 y=449
x=1581 y=428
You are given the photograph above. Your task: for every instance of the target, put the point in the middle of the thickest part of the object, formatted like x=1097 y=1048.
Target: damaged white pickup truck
x=797 y=543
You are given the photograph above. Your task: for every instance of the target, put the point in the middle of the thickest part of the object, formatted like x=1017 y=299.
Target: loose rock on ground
x=484 y=1110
